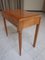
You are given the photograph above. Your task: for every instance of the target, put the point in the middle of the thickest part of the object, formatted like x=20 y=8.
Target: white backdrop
x=33 y=4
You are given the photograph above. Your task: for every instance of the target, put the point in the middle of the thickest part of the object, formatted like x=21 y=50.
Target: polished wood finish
x=36 y=33
x=5 y=26
x=22 y=19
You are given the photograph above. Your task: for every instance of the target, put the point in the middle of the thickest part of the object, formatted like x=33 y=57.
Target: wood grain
x=22 y=19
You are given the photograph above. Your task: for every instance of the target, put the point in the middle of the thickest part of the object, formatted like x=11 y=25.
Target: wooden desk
x=22 y=19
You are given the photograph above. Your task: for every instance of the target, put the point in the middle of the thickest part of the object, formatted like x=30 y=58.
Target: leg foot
x=36 y=33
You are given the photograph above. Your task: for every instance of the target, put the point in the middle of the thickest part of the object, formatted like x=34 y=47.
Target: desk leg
x=20 y=41
x=5 y=26
x=36 y=33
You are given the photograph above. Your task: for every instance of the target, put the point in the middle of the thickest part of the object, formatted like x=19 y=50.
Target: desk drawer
x=26 y=22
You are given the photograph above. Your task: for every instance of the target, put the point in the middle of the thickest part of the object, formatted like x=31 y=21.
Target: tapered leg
x=5 y=26
x=36 y=33
x=20 y=42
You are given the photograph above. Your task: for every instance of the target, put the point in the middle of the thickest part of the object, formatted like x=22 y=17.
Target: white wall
x=33 y=4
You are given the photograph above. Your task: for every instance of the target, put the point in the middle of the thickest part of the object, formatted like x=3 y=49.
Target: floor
x=9 y=44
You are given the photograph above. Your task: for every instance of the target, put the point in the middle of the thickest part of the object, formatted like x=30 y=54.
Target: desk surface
x=19 y=14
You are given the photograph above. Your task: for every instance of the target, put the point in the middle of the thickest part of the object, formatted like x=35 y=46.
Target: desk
x=22 y=19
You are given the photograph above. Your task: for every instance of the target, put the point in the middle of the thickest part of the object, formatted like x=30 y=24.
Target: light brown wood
x=29 y=21
x=36 y=33
x=5 y=26
x=22 y=19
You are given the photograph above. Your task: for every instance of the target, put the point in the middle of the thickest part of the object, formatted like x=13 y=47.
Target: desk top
x=19 y=14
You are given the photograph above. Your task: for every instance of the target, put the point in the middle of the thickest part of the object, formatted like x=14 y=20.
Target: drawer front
x=26 y=22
